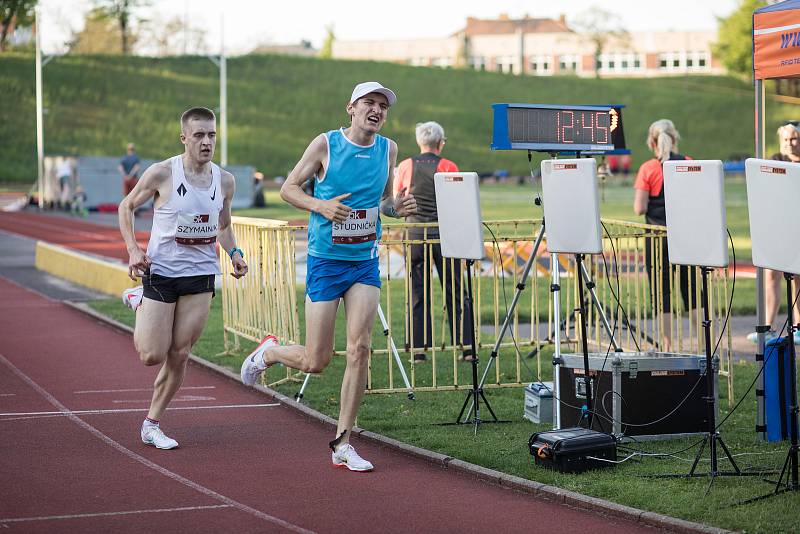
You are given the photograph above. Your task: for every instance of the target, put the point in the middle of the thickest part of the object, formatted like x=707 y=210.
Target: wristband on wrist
x=388 y=210
x=234 y=250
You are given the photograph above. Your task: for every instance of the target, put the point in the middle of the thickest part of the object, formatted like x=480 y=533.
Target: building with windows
x=545 y=47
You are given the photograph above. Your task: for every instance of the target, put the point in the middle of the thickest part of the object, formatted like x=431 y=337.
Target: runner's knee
x=148 y=357
x=358 y=352
x=179 y=355
x=316 y=362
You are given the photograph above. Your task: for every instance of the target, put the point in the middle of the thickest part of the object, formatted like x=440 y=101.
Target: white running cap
x=365 y=88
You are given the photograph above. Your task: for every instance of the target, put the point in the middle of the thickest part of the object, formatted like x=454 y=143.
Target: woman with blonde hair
x=662 y=139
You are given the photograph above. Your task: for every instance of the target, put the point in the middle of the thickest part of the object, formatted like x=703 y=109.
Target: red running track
x=246 y=463
x=72 y=401
x=70 y=232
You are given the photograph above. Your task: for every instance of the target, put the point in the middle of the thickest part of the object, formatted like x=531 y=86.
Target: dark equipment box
x=573 y=450
x=636 y=391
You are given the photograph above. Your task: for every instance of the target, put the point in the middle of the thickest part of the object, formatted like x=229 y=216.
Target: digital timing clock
x=554 y=128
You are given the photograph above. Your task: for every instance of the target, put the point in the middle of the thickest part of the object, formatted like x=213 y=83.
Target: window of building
x=568 y=63
x=505 y=64
x=477 y=62
x=539 y=65
x=619 y=62
x=442 y=62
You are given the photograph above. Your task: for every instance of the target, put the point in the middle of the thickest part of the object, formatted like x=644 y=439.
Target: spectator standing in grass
x=415 y=175
x=662 y=139
x=129 y=167
x=789 y=138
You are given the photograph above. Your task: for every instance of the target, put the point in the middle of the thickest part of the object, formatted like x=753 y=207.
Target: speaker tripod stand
x=712 y=437
x=555 y=288
x=790 y=465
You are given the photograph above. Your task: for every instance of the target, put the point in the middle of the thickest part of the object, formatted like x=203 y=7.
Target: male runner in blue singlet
x=353 y=169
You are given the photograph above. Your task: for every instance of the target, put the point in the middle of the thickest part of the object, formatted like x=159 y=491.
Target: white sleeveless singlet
x=183 y=240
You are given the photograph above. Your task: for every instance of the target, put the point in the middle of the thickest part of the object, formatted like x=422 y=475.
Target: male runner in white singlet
x=192 y=201
x=353 y=169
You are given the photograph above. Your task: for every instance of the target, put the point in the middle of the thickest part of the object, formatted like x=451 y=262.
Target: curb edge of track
x=553 y=493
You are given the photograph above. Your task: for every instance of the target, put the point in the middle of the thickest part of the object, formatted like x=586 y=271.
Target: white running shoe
x=254 y=365
x=133 y=297
x=752 y=337
x=153 y=435
x=347 y=457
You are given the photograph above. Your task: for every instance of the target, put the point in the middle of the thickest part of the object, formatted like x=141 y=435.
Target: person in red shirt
x=415 y=176
x=662 y=139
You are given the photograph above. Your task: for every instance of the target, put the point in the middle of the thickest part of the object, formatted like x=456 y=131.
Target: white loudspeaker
x=459 y=206
x=694 y=194
x=773 y=192
x=571 y=206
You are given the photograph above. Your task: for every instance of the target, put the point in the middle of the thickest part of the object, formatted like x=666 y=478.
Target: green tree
x=100 y=35
x=600 y=28
x=122 y=12
x=327 y=46
x=734 y=46
x=14 y=14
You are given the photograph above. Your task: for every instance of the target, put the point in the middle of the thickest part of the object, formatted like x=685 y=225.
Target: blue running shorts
x=328 y=279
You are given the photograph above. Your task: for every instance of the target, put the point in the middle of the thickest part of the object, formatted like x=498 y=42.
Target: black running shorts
x=166 y=289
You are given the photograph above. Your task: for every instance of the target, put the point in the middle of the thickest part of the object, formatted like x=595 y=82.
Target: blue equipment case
x=777 y=417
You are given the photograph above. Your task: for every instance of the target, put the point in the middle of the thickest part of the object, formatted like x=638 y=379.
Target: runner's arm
x=403 y=204
x=310 y=165
x=144 y=190
x=226 y=238
x=640 y=201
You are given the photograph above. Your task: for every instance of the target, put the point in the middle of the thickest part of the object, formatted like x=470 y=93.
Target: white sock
x=147 y=424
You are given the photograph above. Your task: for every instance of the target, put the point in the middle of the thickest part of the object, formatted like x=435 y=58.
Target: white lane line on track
x=182 y=398
x=112 y=514
x=147 y=463
x=12 y=416
x=85 y=391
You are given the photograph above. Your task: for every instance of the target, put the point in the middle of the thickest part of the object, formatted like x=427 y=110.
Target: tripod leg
x=488 y=406
x=395 y=353
x=509 y=314
x=699 y=454
x=728 y=455
x=599 y=307
x=299 y=395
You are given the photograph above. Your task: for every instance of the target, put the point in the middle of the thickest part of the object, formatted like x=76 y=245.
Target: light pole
x=222 y=64
x=39 y=110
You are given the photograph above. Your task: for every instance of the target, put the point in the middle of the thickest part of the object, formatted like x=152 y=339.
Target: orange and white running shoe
x=254 y=365
x=132 y=297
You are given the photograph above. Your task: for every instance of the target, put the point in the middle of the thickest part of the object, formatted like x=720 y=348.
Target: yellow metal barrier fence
x=648 y=304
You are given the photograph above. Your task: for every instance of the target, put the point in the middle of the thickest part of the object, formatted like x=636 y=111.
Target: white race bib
x=197 y=229
x=361 y=226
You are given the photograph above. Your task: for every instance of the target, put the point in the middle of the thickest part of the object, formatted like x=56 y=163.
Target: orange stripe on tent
x=776 y=54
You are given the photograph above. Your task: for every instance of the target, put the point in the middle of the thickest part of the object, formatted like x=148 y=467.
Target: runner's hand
x=405 y=205
x=239 y=266
x=138 y=263
x=334 y=210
